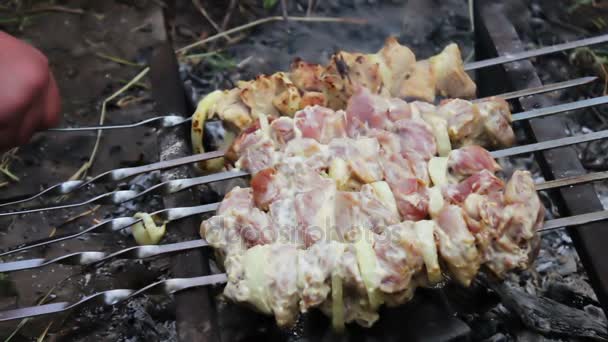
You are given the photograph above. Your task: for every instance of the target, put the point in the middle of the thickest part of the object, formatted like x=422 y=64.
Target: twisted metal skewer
x=170 y=286
x=88 y=258
x=122 y=196
x=166 y=121
x=116 y=175
x=178 y=213
x=120 y=223
x=113 y=297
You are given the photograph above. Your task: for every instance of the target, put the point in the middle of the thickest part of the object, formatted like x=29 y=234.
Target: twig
x=472 y=14
x=136 y=84
x=5 y=164
x=9 y=174
x=231 y=8
x=3 y=184
x=118 y=60
x=605 y=78
x=200 y=8
x=85 y=167
x=40 y=302
x=358 y=21
x=77 y=216
x=309 y=8
x=56 y=8
x=284 y=9
x=43 y=335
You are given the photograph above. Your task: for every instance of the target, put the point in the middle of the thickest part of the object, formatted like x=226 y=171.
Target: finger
x=30 y=122
x=52 y=105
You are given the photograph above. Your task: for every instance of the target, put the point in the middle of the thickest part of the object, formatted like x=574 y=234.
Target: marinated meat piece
x=284 y=221
x=315 y=212
x=390 y=143
x=469 y=160
x=412 y=198
x=464 y=121
x=315 y=268
x=496 y=116
x=240 y=199
x=418 y=164
x=268 y=186
x=238 y=223
x=457 y=245
x=483 y=182
x=282 y=130
x=416 y=135
x=396 y=168
x=265 y=277
x=399 y=257
x=321 y=124
x=373 y=208
x=451 y=79
x=366 y=110
x=518 y=242
x=258 y=156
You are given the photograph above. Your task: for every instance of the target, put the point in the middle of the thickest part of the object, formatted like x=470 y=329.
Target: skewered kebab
x=392 y=72
x=348 y=252
x=326 y=181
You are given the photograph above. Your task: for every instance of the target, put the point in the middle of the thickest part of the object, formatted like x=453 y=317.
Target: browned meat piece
x=496 y=116
x=420 y=84
x=448 y=71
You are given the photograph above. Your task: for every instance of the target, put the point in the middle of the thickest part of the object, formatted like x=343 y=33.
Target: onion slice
x=147 y=232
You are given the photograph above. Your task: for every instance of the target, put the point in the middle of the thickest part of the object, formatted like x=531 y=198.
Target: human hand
x=29 y=97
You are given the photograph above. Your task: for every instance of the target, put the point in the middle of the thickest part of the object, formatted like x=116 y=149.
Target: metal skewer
x=122 y=196
x=170 y=286
x=112 y=297
x=175 y=120
x=537 y=52
x=176 y=213
x=116 y=175
x=166 y=121
x=120 y=223
x=90 y=258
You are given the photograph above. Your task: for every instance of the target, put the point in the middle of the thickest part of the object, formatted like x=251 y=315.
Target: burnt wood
x=495 y=35
x=195 y=311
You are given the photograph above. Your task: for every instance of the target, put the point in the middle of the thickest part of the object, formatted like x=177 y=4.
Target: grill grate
x=497 y=36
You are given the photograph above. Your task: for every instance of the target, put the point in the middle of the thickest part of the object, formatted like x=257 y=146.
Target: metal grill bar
x=512 y=57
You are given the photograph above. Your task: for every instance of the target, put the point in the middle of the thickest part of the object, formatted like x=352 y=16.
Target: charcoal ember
x=569 y=296
x=217 y=135
x=500 y=337
x=547 y=316
x=594 y=156
x=148 y=203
